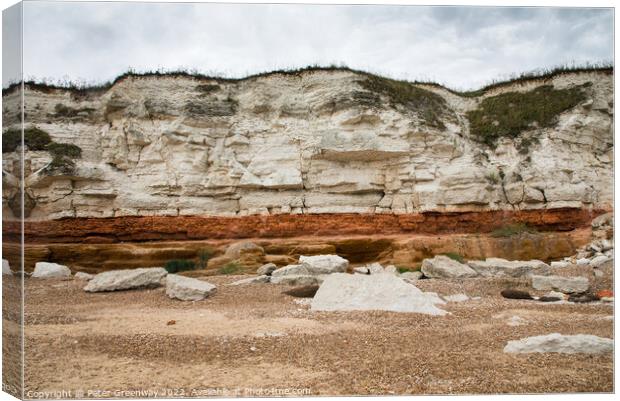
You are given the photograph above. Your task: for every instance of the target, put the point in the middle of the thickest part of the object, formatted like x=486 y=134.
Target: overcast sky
x=462 y=47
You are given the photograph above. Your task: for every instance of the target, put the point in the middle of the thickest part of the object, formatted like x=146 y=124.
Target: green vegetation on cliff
x=509 y=114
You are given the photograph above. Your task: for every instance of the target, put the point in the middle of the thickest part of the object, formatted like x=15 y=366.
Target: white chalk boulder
x=444 y=267
x=115 y=280
x=324 y=264
x=290 y=270
x=564 y=344
x=6 y=268
x=50 y=270
x=496 y=267
x=566 y=285
x=385 y=292
x=187 y=288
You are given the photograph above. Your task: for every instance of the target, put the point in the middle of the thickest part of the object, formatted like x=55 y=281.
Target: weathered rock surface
x=443 y=267
x=115 y=280
x=290 y=270
x=252 y=280
x=50 y=270
x=323 y=264
x=566 y=285
x=187 y=288
x=565 y=344
x=350 y=292
x=496 y=267
x=313 y=142
x=411 y=276
x=6 y=268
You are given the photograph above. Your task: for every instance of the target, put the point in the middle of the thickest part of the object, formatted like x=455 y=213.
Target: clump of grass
x=62 y=110
x=230 y=268
x=34 y=139
x=510 y=230
x=509 y=114
x=429 y=106
x=402 y=269
x=64 y=149
x=179 y=265
x=203 y=257
x=455 y=256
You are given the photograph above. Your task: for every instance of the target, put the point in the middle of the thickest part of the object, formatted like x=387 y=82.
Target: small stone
x=583 y=262
x=516 y=321
x=6 y=268
x=266 y=270
x=560 y=264
x=171 y=322
x=598 y=261
x=252 y=280
x=306 y=291
x=84 y=276
x=297 y=280
x=516 y=294
x=361 y=270
x=558 y=343
x=583 y=298
x=456 y=298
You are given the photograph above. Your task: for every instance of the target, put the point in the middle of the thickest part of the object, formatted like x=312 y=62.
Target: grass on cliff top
x=510 y=230
x=429 y=106
x=509 y=114
x=86 y=88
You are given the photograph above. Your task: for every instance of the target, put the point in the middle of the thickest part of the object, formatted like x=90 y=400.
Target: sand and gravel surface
x=253 y=340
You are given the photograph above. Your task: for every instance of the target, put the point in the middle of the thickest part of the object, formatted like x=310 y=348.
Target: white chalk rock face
x=324 y=264
x=6 y=268
x=566 y=285
x=496 y=267
x=50 y=270
x=444 y=267
x=84 y=276
x=564 y=344
x=252 y=280
x=187 y=288
x=115 y=280
x=358 y=292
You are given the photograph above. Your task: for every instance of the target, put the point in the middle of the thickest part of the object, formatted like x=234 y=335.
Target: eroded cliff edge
x=315 y=142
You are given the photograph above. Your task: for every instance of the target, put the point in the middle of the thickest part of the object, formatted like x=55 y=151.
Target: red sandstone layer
x=158 y=228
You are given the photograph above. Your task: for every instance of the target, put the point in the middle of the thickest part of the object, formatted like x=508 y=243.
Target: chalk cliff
x=322 y=141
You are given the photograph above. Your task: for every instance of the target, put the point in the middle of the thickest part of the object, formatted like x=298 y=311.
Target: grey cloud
x=462 y=47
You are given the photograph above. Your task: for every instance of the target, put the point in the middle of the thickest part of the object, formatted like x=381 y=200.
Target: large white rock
x=444 y=267
x=567 y=285
x=6 y=268
x=558 y=343
x=496 y=267
x=187 y=288
x=324 y=264
x=50 y=270
x=114 y=280
x=358 y=292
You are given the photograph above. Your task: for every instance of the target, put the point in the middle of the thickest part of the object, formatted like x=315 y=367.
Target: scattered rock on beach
x=187 y=288
x=266 y=270
x=324 y=264
x=516 y=294
x=114 y=280
x=496 y=267
x=566 y=285
x=349 y=292
x=444 y=267
x=558 y=343
x=50 y=270
x=306 y=291
x=252 y=280
x=6 y=268
x=84 y=276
